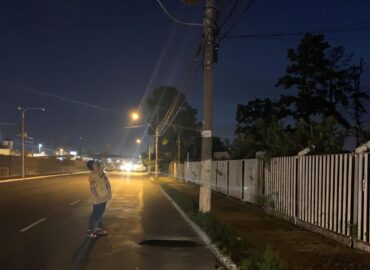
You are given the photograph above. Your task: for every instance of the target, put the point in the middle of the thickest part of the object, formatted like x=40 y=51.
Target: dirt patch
x=298 y=248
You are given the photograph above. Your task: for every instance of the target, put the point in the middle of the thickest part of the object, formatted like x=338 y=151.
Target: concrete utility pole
x=178 y=149
x=156 y=152
x=209 y=44
x=149 y=157
x=23 y=135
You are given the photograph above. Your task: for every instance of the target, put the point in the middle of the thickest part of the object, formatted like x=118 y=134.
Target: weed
x=227 y=240
x=266 y=260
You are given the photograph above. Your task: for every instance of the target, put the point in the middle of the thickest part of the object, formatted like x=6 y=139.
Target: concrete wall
x=11 y=166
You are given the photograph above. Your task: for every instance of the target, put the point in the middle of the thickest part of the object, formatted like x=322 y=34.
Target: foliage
x=184 y=127
x=358 y=97
x=266 y=135
x=320 y=74
x=327 y=86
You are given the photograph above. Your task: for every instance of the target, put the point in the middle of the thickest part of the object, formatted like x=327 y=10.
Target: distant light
x=138 y=141
x=40 y=145
x=73 y=153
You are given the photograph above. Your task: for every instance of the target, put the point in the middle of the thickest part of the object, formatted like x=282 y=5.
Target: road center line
x=76 y=202
x=33 y=225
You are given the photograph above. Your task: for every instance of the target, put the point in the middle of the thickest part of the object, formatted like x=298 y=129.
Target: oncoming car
x=132 y=166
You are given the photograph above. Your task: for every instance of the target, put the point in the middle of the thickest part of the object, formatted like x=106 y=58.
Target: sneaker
x=91 y=235
x=100 y=231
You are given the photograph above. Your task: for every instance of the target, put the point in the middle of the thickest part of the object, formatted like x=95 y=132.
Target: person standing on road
x=101 y=194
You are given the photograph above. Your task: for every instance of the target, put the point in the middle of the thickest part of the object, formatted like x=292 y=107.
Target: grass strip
x=245 y=255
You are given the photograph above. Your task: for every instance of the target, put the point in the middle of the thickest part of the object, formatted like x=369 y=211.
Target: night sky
x=89 y=63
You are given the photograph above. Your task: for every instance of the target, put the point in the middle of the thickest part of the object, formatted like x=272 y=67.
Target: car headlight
x=126 y=167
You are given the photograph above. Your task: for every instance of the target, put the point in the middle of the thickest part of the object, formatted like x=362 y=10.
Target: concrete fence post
x=260 y=173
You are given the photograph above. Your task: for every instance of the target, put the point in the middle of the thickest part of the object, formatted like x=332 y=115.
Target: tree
x=327 y=136
x=320 y=74
x=358 y=98
x=248 y=115
x=260 y=128
x=176 y=121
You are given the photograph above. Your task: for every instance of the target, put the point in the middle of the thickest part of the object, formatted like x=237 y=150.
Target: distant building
x=6 y=147
x=8 y=144
x=5 y=152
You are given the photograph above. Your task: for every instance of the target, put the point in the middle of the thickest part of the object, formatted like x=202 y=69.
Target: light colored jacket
x=100 y=187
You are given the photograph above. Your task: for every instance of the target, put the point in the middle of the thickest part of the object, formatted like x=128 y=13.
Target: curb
x=226 y=261
x=38 y=177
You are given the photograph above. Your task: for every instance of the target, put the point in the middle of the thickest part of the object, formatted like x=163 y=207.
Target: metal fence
x=328 y=191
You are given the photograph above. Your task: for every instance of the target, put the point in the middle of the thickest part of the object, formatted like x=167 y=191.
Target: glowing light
x=135 y=116
x=128 y=167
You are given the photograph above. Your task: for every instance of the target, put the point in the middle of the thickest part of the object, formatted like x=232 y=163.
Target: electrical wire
x=174 y=19
x=171 y=114
x=47 y=94
x=290 y=34
x=246 y=8
x=230 y=13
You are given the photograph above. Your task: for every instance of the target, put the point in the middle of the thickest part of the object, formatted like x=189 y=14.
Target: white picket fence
x=328 y=191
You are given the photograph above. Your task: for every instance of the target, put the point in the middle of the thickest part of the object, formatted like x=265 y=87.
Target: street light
x=40 y=145
x=135 y=116
x=138 y=141
x=23 y=111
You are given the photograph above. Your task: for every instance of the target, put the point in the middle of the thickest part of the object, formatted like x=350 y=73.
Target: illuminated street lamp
x=23 y=133
x=40 y=145
x=135 y=116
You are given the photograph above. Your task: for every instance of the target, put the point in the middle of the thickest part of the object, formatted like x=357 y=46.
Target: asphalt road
x=43 y=224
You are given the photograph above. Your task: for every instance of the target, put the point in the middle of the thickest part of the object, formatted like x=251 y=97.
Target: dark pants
x=96 y=217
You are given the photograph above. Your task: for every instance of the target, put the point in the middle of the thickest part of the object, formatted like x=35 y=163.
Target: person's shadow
x=82 y=254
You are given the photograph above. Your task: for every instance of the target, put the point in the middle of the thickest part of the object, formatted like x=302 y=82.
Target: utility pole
x=149 y=157
x=23 y=135
x=22 y=138
x=156 y=152
x=178 y=149
x=209 y=45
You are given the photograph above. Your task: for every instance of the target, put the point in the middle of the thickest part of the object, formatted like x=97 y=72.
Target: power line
x=50 y=95
x=290 y=34
x=246 y=8
x=230 y=13
x=174 y=19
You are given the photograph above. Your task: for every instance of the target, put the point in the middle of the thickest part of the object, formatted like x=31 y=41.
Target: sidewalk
x=298 y=248
x=139 y=212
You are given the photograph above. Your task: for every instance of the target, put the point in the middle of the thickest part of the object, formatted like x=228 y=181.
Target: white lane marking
x=33 y=224
x=38 y=177
x=75 y=202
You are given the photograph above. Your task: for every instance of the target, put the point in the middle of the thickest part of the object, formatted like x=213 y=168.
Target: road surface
x=43 y=224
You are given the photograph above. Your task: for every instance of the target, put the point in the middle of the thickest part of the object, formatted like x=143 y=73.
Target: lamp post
x=23 y=133
x=135 y=116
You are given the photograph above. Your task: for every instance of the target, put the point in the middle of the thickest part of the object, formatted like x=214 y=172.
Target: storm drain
x=170 y=242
